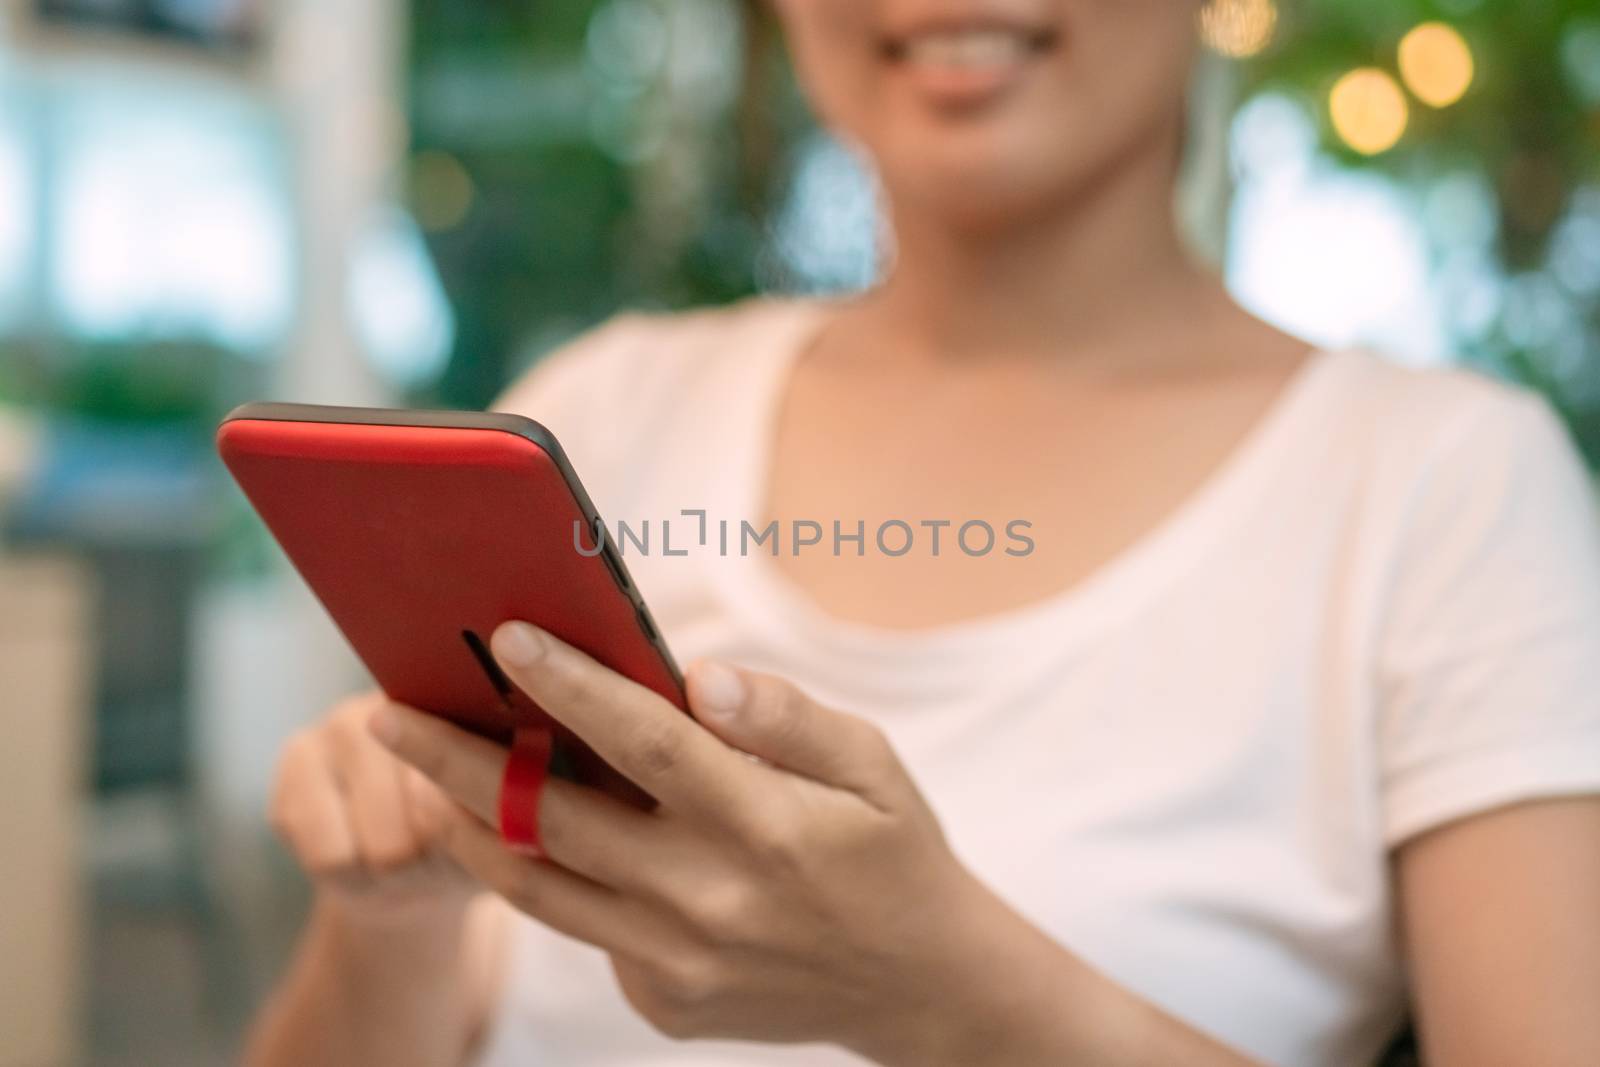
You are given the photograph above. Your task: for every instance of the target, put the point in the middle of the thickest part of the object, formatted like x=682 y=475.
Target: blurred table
x=45 y=686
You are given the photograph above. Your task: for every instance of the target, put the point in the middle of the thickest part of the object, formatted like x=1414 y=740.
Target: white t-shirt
x=1382 y=613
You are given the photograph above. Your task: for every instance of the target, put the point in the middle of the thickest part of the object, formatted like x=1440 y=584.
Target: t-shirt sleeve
x=1490 y=656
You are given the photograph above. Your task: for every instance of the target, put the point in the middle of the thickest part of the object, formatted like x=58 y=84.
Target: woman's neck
x=1101 y=273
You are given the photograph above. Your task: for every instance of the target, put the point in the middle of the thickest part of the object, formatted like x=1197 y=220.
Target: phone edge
x=505 y=422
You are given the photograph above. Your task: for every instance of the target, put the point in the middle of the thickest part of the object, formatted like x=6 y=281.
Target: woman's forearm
x=359 y=991
x=1014 y=998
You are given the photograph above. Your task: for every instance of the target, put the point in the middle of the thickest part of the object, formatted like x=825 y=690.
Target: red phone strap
x=521 y=788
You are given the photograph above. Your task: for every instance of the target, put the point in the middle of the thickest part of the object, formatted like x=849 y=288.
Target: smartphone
x=421 y=532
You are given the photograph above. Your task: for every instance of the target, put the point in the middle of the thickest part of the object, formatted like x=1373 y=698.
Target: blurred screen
x=212 y=23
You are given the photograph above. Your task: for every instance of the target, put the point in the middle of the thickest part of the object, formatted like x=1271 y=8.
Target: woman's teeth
x=968 y=48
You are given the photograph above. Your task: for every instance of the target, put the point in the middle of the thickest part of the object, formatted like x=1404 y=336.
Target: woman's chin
x=981 y=179
x=975 y=199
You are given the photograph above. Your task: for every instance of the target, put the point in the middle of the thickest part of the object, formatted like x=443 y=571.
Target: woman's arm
x=361 y=991
x=1016 y=998
x=1502 y=923
x=1502 y=927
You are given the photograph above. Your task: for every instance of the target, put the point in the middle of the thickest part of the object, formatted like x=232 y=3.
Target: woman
x=1278 y=724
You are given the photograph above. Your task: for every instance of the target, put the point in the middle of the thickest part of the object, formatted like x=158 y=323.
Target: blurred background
x=208 y=201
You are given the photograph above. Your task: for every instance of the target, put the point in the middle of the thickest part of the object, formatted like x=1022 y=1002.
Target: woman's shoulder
x=646 y=354
x=1443 y=416
x=1458 y=466
x=1484 y=592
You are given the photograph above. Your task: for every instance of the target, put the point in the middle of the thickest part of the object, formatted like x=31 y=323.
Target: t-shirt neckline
x=766 y=598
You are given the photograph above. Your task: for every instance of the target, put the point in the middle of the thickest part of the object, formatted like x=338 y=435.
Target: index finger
x=467 y=767
x=658 y=747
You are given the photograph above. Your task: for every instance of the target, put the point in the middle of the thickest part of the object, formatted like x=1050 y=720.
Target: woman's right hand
x=364 y=826
x=395 y=923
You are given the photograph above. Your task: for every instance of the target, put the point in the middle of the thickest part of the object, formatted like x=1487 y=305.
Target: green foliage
x=152 y=383
x=1529 y=126
x=557 y=236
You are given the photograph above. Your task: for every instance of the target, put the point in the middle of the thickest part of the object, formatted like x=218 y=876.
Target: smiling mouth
x=968 y=48
x=965 y=69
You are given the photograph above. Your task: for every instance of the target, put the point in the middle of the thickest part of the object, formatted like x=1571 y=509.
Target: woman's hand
x=808 y=895
x=364 y=826
x=396 y=965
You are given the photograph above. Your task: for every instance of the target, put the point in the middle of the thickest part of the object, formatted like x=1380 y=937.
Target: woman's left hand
x=807 y=895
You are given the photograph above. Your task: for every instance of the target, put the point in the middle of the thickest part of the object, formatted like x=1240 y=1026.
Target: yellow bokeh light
x=1238 y=28
x=1369 y=111
x=1436 y=64
x=442 y=191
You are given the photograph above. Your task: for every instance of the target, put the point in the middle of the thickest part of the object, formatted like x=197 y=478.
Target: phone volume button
x=645 y=622
x=615 y=567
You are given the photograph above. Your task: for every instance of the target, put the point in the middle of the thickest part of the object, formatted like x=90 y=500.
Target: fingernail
x=720 y=689
x=519 y=645
x=384 y=724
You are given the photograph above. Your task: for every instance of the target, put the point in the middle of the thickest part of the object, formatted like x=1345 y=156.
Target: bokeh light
x=1575 y=246
x=1303 y=227
x=16 y=214
x=397 y=303
x=1580 y=55
x=1368 y=110
x=1436 y=64
x=441 y=191
x=826 y=237
x=626 y=44
x=169 y=221
x=1238 y=28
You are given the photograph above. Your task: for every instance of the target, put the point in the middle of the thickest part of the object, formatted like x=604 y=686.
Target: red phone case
x=421 y=532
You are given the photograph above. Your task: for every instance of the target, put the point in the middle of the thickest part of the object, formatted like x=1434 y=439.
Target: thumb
x=769 y=718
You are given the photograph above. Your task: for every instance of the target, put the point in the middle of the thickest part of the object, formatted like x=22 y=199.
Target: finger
x=467 y=767
x=581 y=829
x=655 y=745
x=425 y=803
x=561 y=900
x=375 y=798
x=770 y=718
x=308 y=810
x=601 y=838
x=427 y=808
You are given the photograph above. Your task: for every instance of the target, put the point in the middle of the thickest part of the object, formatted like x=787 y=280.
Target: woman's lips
x=966 y=66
